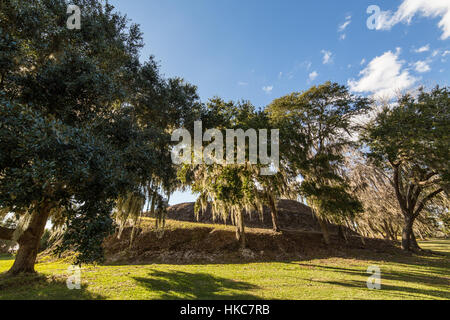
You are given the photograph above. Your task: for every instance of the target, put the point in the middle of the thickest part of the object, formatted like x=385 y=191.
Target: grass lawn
x=424 y=277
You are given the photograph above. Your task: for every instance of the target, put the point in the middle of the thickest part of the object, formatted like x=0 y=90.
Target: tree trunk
x=325 y=232
x=406 y=234
x=240 y=230
x=29 y=242
x=136 y=228
x=414 y=245
x=387 y=228
x=274 y=213
x=363 y=241
x=153 y=203
x=341 y=233
x=374 y=230
x=393 y=232
x=396 y=232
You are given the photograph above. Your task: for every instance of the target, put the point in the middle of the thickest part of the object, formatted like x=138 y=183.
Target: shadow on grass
x=6 y=257
x=441 y=284
x=183 y=285
x=395 y=291
x=426 y=278
x=41 y=287
x=437 y=246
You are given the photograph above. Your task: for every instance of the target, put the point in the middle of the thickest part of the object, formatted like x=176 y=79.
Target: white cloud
x=242 y=83
x=344 y=26
x=409 y=8
x=422 y=66
x=313 y=75
x=423 y=49
x=363 y=61
x=383 y=76
x=327 y=57
x=268 y=89
x=446 y=52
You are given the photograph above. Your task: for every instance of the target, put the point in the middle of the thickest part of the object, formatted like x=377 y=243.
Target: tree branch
x=400 y=197
x=6 y=233
x=425 y=200
x=428 y=177
x=414 y=197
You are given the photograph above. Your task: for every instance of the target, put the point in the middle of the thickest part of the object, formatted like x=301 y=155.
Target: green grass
x=406 y=277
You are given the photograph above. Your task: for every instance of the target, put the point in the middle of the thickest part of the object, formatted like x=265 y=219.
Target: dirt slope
x=291 y=215
x=186 y=240
x=188 y=243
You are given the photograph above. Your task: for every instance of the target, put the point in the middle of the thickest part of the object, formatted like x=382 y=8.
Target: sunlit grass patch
x=424 y=277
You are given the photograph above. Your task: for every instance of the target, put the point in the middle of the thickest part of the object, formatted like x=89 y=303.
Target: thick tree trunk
x=414 y=245
x=29 y=242
x=274 y=213
x=324 y=227
x=407 y=234
x=409 y=205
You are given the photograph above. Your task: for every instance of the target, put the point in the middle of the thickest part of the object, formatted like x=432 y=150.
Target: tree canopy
x=410 y=141
x=318 y=127
x=83 y=123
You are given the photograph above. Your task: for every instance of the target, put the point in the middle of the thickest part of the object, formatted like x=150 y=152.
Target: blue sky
x=261 y=50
